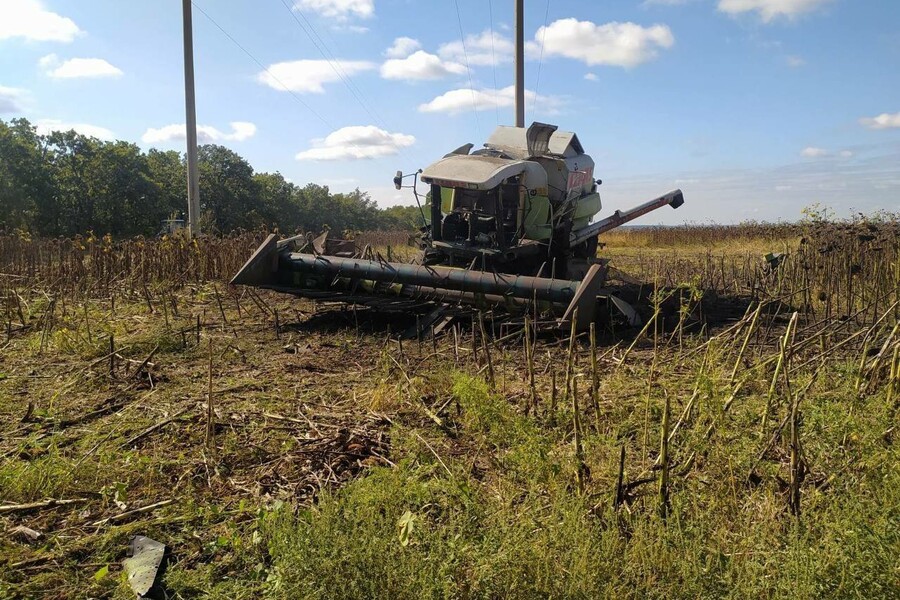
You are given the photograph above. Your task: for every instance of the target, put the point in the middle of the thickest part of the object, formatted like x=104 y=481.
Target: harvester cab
x=522 y=204
x=507 y=203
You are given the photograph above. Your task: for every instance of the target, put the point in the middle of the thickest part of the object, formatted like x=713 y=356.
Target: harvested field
x=284 y=450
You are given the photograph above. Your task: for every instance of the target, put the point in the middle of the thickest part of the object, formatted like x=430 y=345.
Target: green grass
x=521 y=531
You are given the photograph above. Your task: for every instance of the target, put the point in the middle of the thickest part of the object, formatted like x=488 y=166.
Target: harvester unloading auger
x=506 y=226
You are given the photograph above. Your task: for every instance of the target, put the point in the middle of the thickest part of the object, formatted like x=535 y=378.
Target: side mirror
x=398 y=180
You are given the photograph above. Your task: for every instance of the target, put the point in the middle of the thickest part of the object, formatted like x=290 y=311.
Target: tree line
x=65 y=183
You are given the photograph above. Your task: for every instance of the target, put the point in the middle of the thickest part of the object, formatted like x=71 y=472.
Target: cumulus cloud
x=402 y=47
x=771 y=9
x=47 y=126
x=206 y=134
x=590 y=76
x=612 y=44
x=74 y=68
x=356 y=142
x=419 y=66
x=28 y=19
x=339 y=9
x=795 y=62
x=308 y=76
x=480 y=49
x=813 y=152
x=10 y=100
x=462 y=100
x=882 y=121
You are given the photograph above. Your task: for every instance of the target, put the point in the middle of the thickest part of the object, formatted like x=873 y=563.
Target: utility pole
x=190 y=110
x=520 y=63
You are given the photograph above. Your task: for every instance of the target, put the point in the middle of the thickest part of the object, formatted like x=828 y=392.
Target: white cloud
x=402 y=47
x=795 y=62
x=28 y=19
x=356 y=142
x=78 y=67
x=813 y=152
x=48 y=61
x=206 y=134
x=614 y=44
x=10 y=100
x=419 y=66
x=461 y=100
x=771 y=9
x=47 y=126
x=590 y=77
x=339 y=9
x=307 y=76
x=479 y=50
x=882 y=121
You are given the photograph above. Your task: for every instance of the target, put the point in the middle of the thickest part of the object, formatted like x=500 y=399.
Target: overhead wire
x=263 y=67
x=462 y=40
x=329 y=57
x=537 y=82
x=293 y=94
x=335 y=65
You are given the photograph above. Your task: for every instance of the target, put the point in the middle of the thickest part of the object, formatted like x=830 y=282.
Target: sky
x=756 y=109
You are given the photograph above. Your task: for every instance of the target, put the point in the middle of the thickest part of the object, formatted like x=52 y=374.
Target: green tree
x=228 y=192
x=66 y=183
x=401 y=218
x=277 y=203
x=71 y=208
x=169 y=174
x=24 y=178
x=127 y=201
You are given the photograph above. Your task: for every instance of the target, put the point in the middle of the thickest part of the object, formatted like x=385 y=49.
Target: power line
x=264 y=68
x=329 y=57
x=368 y=106
x=537 y=83
x=462 y=40
x=272 y=75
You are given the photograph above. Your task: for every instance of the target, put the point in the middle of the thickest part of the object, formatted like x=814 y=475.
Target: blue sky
x=755 y=108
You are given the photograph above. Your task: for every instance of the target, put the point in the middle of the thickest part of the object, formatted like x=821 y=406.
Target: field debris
x=145 y=558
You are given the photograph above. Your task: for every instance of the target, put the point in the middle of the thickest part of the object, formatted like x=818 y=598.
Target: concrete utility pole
x=520 y=63
x=190 y=110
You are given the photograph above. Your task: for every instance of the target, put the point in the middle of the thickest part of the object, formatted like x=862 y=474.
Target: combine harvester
x=507 y=226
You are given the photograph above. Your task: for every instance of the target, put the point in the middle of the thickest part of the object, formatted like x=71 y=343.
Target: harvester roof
x=480 y=172
x=538 y=140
